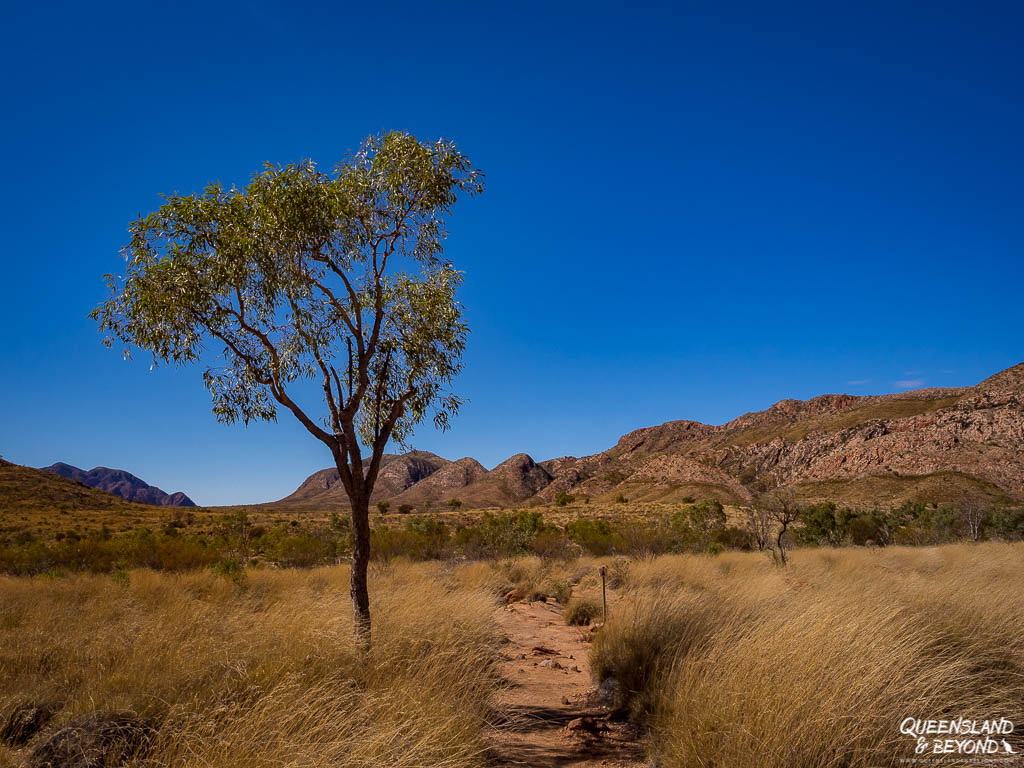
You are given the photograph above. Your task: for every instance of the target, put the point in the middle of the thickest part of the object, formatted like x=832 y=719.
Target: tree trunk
x=357 y=580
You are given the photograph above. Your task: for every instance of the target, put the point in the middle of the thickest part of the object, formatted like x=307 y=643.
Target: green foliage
x=927 y=524
x=823 y=523
x=120 y=573
x=621 y=499
x=563 y=498
x=732 y=538
x=340 y=523
x=595 y=536
x=695 y=528
x=502 y=535
x=405 y=509
x=421 y=539
x=289 y=278
x=864 y=528
x=697 y=525
x=230 y=569
x=297 y=548
x=1008 y=524
x=454 y=503
x=383 y=506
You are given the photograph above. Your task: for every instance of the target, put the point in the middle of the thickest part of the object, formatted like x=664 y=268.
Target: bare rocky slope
x=121 y=483
x=397 y=473
x=923 y=445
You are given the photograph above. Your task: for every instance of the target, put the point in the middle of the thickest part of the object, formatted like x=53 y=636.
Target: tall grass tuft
x=736 y=663
x=260 y=672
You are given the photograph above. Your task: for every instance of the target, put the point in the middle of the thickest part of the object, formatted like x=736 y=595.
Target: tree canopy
x=301 y=274
x=337 y=278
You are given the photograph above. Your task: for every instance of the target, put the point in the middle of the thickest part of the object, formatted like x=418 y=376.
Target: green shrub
x=120 y=573
x=563 y=498
x=553 y=544
x=696 y=526
x=733 y=538
x=595 y=536
x=421 y=539
x=230 y=569
x=504 y=535
x=1008 y=524
x=862 y=529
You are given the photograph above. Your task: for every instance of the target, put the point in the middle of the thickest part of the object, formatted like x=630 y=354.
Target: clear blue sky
x=693 y=210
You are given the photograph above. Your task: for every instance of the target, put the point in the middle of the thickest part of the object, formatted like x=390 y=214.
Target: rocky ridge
x=929 y=444
x=120 y=483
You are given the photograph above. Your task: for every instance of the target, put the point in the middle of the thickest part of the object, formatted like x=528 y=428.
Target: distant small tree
x=973 y=515
x=783 y=510
x=454 y=503
x=707 y=519
x=333 y=278
x=405 y=509
x=697 y=526
x=824 y=523
x=564 y=498
x=383 y=506
x=758 y=523
x=621 y=499
x=236 y=528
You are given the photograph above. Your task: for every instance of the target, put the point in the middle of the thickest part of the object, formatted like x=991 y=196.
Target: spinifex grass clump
x=737 y=663
x=262 y=673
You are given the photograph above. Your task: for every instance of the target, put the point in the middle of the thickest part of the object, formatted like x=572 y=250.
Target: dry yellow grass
x=732 y=661
x=736 y=663
x=265 y=674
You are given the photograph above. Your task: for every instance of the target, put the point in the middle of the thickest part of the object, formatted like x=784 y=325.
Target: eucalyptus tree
x=333 y=279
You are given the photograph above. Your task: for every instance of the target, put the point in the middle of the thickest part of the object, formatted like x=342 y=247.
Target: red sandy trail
x=545 y=666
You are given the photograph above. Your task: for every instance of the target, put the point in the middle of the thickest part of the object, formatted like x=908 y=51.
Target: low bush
x=582 y=611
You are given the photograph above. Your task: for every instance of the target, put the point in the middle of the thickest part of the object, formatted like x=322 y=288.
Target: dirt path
x=545 y=664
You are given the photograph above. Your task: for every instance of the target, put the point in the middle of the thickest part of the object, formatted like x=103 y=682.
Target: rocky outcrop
x=405 y=471
x=975 y=432
x=445 y=483
x=121 y=483
x=397 y=473
x=969 y=438
x=519 y=477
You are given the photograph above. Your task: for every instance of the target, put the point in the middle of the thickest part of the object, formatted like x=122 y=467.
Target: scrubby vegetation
x=261 y=673
x=181 y=542
x=733 y=662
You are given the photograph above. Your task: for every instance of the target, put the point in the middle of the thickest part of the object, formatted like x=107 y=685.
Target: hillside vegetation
x=27 y=489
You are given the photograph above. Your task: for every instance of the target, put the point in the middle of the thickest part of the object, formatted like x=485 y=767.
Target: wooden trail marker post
x=604 y=592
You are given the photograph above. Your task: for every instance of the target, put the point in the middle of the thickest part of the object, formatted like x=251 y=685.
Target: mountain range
x=121 y=483
x=934 y=444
